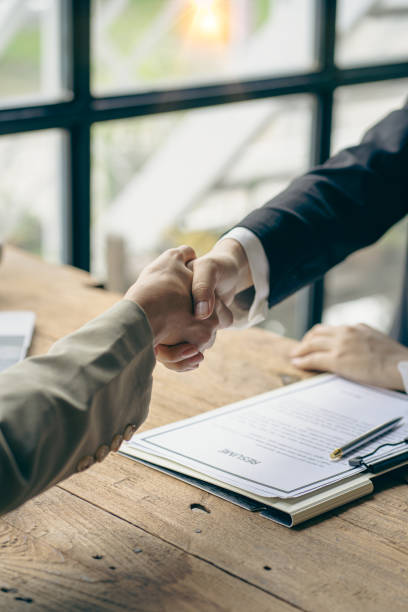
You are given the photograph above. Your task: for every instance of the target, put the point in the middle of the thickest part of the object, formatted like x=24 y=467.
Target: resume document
x=278 y=444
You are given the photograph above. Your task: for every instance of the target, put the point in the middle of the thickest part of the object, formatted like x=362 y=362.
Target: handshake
x=187 y=299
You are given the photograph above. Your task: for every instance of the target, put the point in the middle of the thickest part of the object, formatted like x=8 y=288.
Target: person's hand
x=217 y=277
x=356 y=352
x=163 y=290
x=182 y=357
x=222 y=272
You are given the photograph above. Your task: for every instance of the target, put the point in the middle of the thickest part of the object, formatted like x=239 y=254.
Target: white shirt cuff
x=259 y=266
x=403 y=369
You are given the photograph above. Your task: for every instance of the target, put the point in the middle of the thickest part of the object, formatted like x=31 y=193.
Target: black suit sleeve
x=336 y=208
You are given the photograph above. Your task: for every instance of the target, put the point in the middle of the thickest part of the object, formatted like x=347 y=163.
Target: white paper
x=16 y=331
x=278 y=444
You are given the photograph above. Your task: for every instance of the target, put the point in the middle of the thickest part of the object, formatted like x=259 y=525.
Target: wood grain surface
x=124 y=537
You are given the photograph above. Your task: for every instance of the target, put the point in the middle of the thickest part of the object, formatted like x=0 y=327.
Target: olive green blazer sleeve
x=60 y=412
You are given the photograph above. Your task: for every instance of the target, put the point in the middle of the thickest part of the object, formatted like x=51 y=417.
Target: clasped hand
x=215 y=279
x=164 y=291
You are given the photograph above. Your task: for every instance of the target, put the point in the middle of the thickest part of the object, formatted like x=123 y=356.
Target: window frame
x=77 y=115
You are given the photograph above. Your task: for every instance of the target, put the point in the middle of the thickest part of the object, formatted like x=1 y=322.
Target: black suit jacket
x=341 y=206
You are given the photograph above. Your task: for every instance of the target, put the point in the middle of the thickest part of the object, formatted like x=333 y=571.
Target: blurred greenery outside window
x=31 y=197
x=33 y=51
x=366 y=287
x=166 y=43
x=33 y=70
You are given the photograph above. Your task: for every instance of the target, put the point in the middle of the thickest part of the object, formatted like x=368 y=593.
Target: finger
x=319 y=330
x=176 y=353
x=225 y=316
x=203 y=333
x=187 y=253
x=318 y=362
x=312 y=345
x=186 y=365
x=203 y=287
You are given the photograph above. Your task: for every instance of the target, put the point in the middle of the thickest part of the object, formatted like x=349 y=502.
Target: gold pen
x=380 y=430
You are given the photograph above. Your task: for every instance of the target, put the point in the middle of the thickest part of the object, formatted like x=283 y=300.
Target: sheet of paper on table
x=277 y=444
x=16 y=331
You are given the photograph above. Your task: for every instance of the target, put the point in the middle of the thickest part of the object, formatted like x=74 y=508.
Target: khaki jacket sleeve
x=61 y=411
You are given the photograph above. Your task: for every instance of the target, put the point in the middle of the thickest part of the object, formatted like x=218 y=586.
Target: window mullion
x=79 y=167
x=311 y=300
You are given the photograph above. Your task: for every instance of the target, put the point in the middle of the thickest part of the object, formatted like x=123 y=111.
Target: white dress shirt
x=259 y=266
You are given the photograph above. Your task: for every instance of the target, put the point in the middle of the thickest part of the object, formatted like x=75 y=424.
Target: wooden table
x=124 y=537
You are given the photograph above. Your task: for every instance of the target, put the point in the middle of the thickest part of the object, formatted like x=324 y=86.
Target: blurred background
x=129 y=126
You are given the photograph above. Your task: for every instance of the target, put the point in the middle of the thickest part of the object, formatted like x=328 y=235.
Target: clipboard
x=290 y=512
x=296 y=506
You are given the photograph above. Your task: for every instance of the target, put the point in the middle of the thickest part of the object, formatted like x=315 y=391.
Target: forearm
x=341 y=206
x=61 y=408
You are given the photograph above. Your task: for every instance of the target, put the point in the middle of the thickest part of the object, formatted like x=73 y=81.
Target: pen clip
x=384 y=461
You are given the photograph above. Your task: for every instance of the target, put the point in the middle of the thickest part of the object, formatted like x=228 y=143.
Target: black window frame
x=77 y=116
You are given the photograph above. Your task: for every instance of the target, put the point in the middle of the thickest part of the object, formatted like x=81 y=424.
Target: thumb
x=203 y=287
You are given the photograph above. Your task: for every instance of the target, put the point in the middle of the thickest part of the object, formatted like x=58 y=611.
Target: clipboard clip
x=388 y=461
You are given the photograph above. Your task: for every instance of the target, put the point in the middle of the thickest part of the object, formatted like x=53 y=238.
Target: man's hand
x=163 y=290
x=217 y=277
x=182 y=357
x=356 y=352
x=223 y=272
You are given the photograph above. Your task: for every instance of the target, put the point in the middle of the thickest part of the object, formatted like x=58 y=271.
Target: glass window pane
x=357 y=108
x=371 y=31
x=366 y=287
x=144 y=44
x=30 y=192
x=33 y=53
x=186 y=177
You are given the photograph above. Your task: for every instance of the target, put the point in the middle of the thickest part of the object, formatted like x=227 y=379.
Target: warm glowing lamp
x=208 y=21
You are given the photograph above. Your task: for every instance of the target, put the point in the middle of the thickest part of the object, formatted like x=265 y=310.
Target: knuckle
x=185 y=250
x=201 y=290
x=178 y=255
x=204 y=336
x=201 y=285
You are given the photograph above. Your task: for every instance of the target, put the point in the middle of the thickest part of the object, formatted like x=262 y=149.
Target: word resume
x=278 y=444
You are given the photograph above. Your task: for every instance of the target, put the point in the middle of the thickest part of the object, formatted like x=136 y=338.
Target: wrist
x=153 y=315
